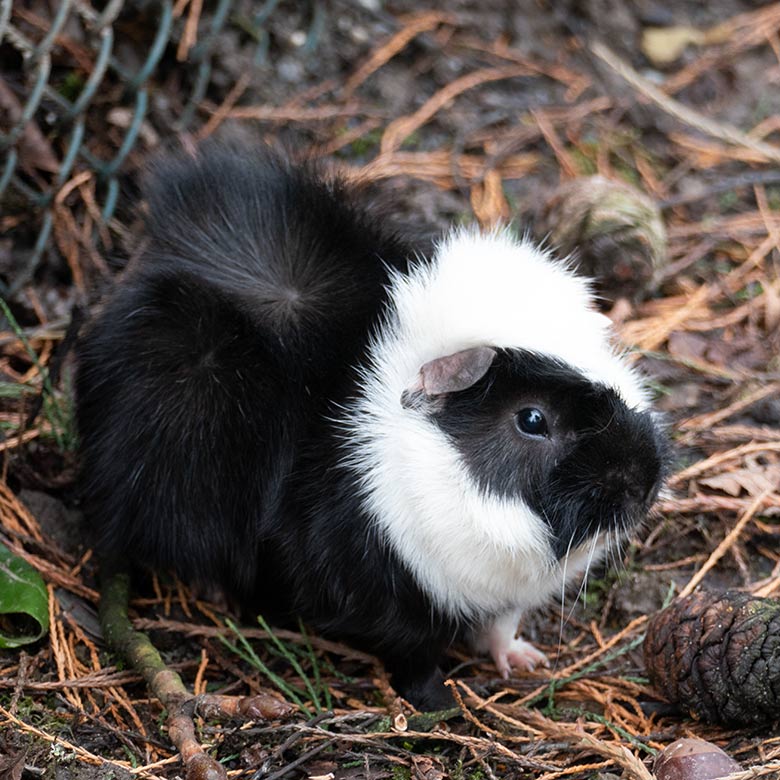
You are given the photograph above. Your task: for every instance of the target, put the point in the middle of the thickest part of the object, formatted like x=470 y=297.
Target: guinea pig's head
x=500 y=434
x=532 y=428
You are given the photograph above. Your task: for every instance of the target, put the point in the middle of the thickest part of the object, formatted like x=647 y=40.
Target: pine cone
x=718 y=656
x=616 y=233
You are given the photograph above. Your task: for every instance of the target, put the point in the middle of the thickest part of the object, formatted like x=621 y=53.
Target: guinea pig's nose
x=636 y=487
x=637 y=494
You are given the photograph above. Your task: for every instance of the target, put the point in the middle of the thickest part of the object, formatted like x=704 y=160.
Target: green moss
x=39 y=713
x=365 y=144
x=627 y=173
x=582 y=158
x=749 y=292
x=400 y=772
x=729 y=200
x=411 y=141
x=597 y=589
x=473 y=773
x=72 y=85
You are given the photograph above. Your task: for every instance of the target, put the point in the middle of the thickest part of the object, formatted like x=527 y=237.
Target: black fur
x=203 y=387
x=207 y=382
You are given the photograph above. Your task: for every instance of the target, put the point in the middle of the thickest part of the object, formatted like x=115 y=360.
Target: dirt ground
x=469 y=111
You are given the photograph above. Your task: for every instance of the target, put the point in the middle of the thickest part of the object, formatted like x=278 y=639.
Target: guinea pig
x=283 y=397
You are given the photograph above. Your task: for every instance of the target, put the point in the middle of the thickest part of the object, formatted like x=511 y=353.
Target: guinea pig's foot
x=429 y=696
x=517 y=654
x=508 y=650
x=420 y=682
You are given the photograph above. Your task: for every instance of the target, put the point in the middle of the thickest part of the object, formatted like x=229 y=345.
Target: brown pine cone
x=718 y=656
x=615 y=231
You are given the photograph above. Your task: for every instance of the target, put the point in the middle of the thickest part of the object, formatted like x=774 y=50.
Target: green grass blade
x=315 y=665
x=290 y=656
x=247 y=653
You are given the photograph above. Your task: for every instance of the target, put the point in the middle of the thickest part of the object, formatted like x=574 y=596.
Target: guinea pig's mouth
x=599 y=524
x=611 y=509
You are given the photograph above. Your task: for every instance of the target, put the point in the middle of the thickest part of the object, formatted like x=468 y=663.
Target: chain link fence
x=77 y=81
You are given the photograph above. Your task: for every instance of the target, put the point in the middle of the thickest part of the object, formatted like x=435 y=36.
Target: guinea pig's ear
x=448 y=374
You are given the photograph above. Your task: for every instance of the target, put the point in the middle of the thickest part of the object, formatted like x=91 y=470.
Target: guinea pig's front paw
x=508 y=650
x=516 y=654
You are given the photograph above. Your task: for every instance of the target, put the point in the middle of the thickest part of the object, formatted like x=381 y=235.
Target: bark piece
x=136 y=648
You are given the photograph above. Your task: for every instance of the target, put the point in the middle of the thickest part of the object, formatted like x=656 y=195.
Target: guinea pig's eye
x=531 y=422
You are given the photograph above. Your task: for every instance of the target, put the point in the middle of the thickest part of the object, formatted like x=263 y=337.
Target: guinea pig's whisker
x=606 y=424
x=620 y=541
x=583 y=589
x=608 y=546
x=564 y=620
x=591 y=554
x=614 y=548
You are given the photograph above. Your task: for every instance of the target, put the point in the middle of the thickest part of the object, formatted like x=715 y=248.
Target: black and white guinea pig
x=283 y=398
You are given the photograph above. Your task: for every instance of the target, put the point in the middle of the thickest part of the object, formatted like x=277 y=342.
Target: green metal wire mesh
x=63 y=72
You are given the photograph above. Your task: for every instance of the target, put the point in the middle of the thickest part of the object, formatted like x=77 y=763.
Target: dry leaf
x=743 y=351
x=688 y=346
x=12 y=765
x=663 y=45
x=753 y=481
x=426 y=768
x=35 y=152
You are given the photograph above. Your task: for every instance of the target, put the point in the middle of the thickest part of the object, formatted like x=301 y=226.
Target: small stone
x=693 y=759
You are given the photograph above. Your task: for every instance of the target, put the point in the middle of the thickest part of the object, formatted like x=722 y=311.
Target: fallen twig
x=720 y=130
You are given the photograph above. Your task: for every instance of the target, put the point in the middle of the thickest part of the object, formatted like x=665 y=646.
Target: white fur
x=475 y=554
x=508 y=650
